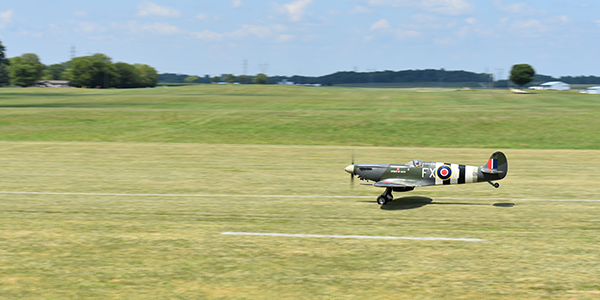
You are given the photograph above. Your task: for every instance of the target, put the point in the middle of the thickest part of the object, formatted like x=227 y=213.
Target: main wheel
x=381 y=200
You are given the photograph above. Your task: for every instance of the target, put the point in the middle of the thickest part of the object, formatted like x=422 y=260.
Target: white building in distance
x=556 y=85
x=593 y=90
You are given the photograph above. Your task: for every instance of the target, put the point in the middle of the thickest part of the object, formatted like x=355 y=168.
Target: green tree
x=129 y=76
x=260 y=78
x=191 y=79
x=521 y=74
x=148 y=75
x=229 y=78
x=215 y=79
x=243 y=79
x=55 y=72
x=3 y=66
x=25 y=70
x=95 y=70
x=3 y=75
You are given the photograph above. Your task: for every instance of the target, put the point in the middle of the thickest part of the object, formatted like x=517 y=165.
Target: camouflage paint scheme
x=417 y=173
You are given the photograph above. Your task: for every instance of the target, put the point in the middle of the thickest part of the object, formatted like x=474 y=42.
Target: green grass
x=301 y=115
x=154 y=247
x=104 y=166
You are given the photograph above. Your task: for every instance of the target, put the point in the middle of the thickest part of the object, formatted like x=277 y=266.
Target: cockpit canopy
x=417 y=163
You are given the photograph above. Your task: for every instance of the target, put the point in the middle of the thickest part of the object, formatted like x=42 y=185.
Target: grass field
x=132 y=203
x=303 y=116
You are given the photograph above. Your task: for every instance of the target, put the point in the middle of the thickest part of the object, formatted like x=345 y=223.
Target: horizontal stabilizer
x=491 y=171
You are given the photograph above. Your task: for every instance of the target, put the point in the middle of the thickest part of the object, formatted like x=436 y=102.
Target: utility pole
x=73 y=52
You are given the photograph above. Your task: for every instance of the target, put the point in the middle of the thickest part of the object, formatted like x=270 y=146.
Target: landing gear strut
x=385 y=197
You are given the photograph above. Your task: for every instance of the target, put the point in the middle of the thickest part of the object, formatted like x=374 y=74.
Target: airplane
x=418 y=173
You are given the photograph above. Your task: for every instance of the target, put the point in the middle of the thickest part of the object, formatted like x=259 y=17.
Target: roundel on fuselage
x=444 y=172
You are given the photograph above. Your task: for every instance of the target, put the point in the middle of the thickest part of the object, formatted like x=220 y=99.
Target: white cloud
x=423 y=18
x=402 y=34
x=529 y=28
x=202 y=16
x=359 y=10
x=161 y=28
x=447 y=41
x=285 y=38
x=597 y=22
x=80 y=13
x=447 y=7
x=88 y=27
x=38 y=35
x=149 y=9
x=381 y=24
x=236 y=3
x=207 y=35
x=471 y=20
x=295 y=10
x=248 y=30
x=156 y=28
x=274 y=31
x=6 y=18
x=517 y=8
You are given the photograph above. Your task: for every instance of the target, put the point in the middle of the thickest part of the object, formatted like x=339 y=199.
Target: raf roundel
x=444 y=172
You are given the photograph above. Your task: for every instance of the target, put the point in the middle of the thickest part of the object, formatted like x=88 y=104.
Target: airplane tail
x=496 y=167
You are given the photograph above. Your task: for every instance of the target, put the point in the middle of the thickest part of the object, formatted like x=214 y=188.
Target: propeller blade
x=352 y=175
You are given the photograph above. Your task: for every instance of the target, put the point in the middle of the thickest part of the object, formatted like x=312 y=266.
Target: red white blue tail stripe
x=492 y=164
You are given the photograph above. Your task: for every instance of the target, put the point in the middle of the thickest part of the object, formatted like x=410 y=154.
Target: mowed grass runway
x=136 y=220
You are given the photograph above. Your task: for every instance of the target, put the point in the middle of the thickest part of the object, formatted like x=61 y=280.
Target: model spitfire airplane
x=416 y=173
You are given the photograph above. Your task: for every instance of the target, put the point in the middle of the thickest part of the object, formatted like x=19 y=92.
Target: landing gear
x=494 y=184
x=385 y=197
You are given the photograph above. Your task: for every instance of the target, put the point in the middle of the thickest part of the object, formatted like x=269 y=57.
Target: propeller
x=352 y=175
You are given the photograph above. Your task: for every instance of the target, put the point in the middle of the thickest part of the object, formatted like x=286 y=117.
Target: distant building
x=556 y=85
x=52 y=83
x=285 y=82
x=593 y=90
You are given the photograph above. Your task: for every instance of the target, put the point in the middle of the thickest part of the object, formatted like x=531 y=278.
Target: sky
x=312 y=37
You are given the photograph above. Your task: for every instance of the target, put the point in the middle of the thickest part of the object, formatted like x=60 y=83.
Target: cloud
x=597 y=22
x=155 y=28
x=80 y=13
x=402 y=34
x=207 y=35
x=447 y=41
x=274 y=31
x=359 y=10
x=529 y=28
x=88 y=27
x=202 y=16
x=295 y=10
x=447 y=7
x=149 y=9
x=236 y=3
x=471 y=20
x=517 y=8
x=285 y=38
x=6 y=18
x=38 y=35
x=381 y=24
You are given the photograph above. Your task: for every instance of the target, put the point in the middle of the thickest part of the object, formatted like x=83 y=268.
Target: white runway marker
x=292 y=196
x=352 y=236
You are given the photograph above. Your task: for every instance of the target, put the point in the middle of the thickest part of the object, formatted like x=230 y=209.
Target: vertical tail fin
x=496 y=167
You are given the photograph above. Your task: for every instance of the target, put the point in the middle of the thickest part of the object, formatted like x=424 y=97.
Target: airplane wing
x=396 y=182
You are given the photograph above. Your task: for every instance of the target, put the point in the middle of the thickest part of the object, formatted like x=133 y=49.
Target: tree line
x=259 y=78
x=95 y=70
